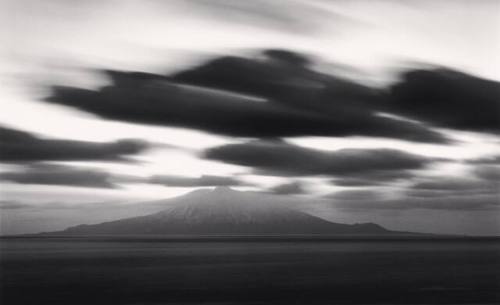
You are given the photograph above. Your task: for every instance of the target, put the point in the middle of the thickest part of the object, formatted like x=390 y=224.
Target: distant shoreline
x=248 y=238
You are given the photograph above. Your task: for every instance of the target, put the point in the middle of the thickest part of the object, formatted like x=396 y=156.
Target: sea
x=249 y=270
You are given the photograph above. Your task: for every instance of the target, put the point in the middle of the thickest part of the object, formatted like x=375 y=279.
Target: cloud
x=488 y=172
x=481 y=180
x=462 y=202
x=414 y=198
x=292 y=188
x=13 y=205
x=449 y=99
x=448 y=184
x=457 y=203
x=205 y=180
x=495 y=160
x=46 y=174
x=281 y=158
x=275 y=95
x=90 y=206
x=373 y=178
x=297 y=18
x=356 y=195
x=20 y=146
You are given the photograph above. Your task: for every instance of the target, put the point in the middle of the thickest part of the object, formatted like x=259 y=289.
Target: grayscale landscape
x=311 y=152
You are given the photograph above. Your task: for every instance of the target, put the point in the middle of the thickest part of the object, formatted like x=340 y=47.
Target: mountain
x=223 y=211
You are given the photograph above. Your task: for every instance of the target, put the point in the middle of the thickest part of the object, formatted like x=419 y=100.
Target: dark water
x=137 y=271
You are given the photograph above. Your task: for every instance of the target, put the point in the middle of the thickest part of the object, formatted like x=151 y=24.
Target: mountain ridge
x=224 y=211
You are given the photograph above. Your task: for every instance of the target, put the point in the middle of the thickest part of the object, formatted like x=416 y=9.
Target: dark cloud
x=488 y=172
x=456 y=203
x=373 y=178
x=449 y=99
x=442 y=193
x=63 y=205
x=495 y=160
x=442 y=187
x=461 y=202
x=283 y=78
x=276 y=95
x=448 y=184
x=13 y=205
x=415 y=198
x=283 y=159
x=46 y=174
x=287 y=57
x=293 y=188
x=20 y=146
x=205 y=180
x=279 y=95
x=356 y=195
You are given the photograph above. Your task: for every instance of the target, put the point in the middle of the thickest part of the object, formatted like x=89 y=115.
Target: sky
x=380 y=111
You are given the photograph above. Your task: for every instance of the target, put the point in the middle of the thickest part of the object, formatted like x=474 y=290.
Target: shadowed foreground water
x=220 y=271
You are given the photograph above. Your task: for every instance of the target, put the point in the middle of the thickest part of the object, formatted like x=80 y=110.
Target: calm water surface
x=162 y=271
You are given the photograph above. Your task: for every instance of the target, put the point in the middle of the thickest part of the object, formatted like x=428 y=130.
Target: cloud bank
x=61 y=175
x=21 y=146
x=274 y=95
x=281 y=158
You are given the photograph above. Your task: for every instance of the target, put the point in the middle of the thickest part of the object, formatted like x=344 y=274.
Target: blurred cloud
x=450 y=203
x=205 y=180
x=282 y=15
x=282 y=158
x=489 y=172
x=495 y=160
x=356 y=195
x=461 y=192
x=448 y=98
x=50 y=174
x=373 y=178
x=444 y=194
x=13 y=205
x=20 y=146
x=292 y=188
x=277 y=96
x=449 y=184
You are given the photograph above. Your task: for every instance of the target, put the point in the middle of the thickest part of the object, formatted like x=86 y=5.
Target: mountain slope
x=223 y=211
